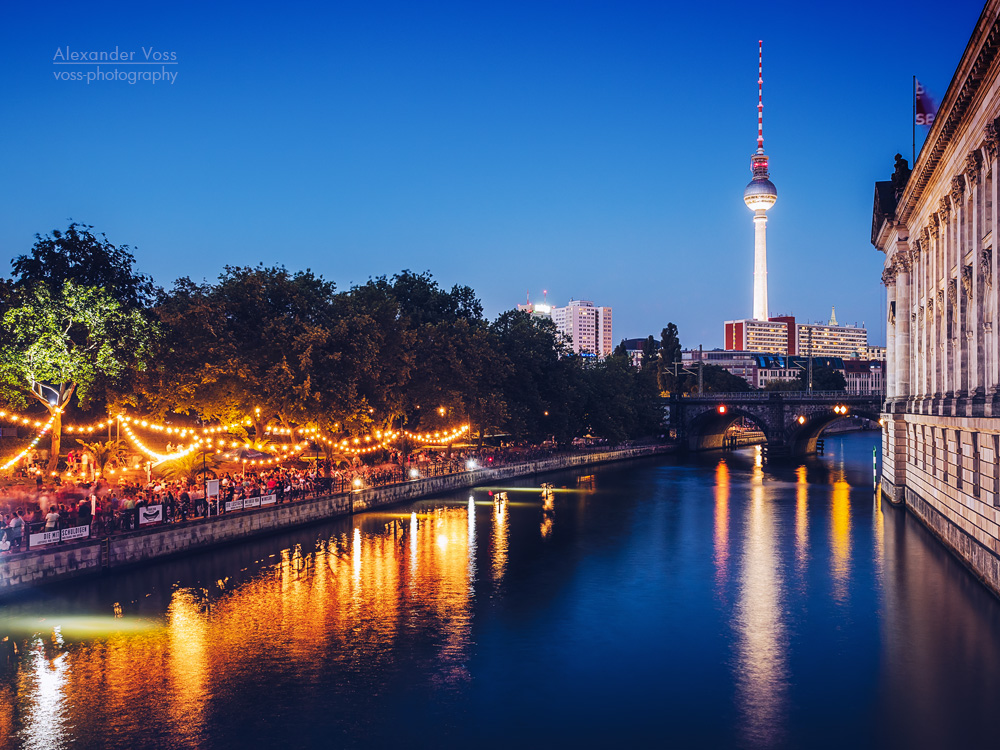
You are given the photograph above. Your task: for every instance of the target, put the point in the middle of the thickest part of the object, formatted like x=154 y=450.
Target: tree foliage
x=57 y=345
x=265 y=347
x=824 y=379
x=105 y=452
x=669 y=356
x=87 y=260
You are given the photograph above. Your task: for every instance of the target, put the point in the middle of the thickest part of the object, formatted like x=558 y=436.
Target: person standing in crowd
x=17 y=528
x=129 y=513
x=52 y=519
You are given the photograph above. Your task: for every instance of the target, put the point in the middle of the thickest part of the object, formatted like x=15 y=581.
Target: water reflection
x=673 y=585
x=187 y=625
x=43 y=686
x=548 y=510
x=472 y=542
x=840 y=536
x=761 y=648
x=721 y=522
x=801 y=521
x=499 y=535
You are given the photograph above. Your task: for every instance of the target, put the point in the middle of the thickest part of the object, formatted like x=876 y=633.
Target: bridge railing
x=781 y=395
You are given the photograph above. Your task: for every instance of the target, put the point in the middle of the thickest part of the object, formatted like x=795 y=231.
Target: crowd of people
x=106 y=508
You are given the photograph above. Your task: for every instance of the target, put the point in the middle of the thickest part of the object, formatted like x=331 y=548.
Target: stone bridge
x=790 y=420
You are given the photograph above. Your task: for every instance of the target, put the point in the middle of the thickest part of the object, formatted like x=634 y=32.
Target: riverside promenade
x=24 y=571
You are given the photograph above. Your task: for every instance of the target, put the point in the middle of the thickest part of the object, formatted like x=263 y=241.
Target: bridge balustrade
x=778 y=395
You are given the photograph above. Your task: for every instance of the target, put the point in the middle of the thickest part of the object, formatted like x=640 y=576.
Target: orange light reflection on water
x=801 y=520
x=761 y=672
x=721 y=522
x=344 y=605
x=840 y=536
x=499 y=537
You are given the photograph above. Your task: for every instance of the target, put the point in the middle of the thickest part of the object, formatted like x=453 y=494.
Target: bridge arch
x=707 y=431
x=791 y=421
x=801 y=437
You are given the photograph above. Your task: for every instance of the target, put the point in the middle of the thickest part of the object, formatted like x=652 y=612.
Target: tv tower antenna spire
x=760 y=95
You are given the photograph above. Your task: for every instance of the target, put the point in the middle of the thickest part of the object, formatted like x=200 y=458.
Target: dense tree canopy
x=267 y=347
x=88 y=260
x=824 y=379
x=58 y=345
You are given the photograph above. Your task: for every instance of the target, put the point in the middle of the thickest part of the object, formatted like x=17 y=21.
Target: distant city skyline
x=599 y=152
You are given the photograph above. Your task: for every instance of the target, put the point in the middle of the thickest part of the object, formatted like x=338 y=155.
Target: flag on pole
x=924 y=108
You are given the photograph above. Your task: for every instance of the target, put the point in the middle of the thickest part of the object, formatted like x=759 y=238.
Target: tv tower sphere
x=760 y=194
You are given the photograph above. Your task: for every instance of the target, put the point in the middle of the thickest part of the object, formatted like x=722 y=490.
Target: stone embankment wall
x=25 y=570
x=946 y=471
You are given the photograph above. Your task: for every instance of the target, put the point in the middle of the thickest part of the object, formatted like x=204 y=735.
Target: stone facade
x=26 y=570
x=941 y=420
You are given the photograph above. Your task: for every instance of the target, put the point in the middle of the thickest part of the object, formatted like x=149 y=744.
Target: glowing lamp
x=721 y=409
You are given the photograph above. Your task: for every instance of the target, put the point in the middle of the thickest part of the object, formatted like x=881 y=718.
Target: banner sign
x=212 y=487
x=150 y=514
x=46 y=537
x=76 y=532
x=234 y=505
x=268 y=499
x=924 y=108
x=251 y=502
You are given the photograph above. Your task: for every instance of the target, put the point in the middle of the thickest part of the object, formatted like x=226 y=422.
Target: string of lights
x=45 y=428
x=437 y=438
x=158 y=458
x=354 y=446
x=16 y=418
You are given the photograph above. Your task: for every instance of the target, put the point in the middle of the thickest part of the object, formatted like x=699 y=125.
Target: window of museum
x=975 y=464
x=996 y=470
x=933 y=453
x=988 y=203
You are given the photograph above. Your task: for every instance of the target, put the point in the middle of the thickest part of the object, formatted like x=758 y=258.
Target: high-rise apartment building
x=782 y=335
x=831 y=340
x=773 y=336
x=585 y=328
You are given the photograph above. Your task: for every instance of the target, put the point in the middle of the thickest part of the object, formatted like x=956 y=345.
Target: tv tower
x=759 y=196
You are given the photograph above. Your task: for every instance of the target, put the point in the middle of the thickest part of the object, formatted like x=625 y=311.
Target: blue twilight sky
x=598 y=150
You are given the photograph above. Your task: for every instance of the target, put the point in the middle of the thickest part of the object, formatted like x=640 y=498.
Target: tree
x=79 y=256
x=824 y=379
x=60 y=344
x=670 y=354
x=534 y=381
x=262 y=344
x=784 y=385
x=105 y=452
x=649 y=347
x=719 y=380
x=621 y=401
x=191 y=466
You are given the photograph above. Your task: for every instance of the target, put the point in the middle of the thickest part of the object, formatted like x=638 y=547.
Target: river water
x=704 y=602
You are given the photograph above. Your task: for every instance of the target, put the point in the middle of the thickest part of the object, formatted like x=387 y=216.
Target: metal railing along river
x=149 y=511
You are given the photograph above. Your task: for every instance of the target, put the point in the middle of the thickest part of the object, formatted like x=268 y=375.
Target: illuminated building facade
x=941 y=438
x=774 y=336
x=585 y=328
x=831 y=340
